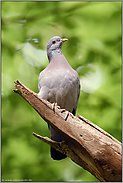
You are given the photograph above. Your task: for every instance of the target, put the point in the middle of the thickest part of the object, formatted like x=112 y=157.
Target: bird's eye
x=53 y=42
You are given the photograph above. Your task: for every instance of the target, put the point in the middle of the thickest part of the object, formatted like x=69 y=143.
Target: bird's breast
x=60 y=86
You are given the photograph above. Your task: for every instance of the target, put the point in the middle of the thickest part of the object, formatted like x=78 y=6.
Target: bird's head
x=54 y=46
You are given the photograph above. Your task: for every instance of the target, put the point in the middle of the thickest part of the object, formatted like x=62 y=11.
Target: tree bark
x=85 y=143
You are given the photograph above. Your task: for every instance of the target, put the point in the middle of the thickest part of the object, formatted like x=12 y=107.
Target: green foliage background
x=93 y=30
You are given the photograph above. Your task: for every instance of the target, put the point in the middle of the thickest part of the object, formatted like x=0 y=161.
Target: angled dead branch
x=85 y=143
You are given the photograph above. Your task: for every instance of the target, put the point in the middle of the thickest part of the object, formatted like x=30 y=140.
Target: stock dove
x=59 y=84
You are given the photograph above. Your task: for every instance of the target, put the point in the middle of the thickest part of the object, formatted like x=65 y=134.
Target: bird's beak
x=63 y=40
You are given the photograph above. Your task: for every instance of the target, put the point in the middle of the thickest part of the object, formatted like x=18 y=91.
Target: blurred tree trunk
x=85 y=143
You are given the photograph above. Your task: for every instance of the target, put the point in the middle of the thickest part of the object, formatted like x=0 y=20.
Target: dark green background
x=93 y=30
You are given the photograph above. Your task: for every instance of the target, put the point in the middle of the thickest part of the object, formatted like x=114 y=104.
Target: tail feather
x=56 y=155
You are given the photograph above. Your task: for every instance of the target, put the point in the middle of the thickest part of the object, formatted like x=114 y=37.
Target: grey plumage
x=59 y=83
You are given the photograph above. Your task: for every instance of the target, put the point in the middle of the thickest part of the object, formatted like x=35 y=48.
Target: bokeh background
x=93 y=49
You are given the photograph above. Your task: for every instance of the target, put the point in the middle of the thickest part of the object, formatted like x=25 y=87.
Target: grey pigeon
x=59 y=83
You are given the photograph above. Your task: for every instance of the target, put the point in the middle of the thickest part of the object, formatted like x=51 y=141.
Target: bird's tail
x=56 y=155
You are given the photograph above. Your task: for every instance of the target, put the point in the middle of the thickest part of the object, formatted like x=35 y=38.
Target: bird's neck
x=53 y=53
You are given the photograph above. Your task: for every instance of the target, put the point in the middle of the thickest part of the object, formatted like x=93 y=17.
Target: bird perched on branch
x=59 y=84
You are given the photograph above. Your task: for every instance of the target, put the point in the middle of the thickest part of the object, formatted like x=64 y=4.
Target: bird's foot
x=58 y=106
x=63 y=110
x=53 y=106
x=71 y=115
x=67 y=114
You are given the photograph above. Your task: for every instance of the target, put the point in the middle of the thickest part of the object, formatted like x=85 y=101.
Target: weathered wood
x=85 y=143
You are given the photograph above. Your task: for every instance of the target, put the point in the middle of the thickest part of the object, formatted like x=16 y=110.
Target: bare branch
x=85 y=143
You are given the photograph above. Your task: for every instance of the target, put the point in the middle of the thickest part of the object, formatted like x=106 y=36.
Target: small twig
x=60 y=146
